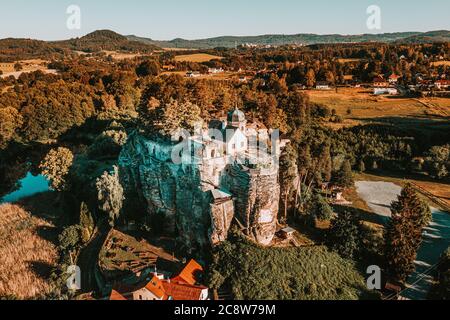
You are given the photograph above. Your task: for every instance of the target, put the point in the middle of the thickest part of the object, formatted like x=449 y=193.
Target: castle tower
x=236 y=119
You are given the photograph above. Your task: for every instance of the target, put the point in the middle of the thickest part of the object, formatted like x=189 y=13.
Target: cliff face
x=199 y=201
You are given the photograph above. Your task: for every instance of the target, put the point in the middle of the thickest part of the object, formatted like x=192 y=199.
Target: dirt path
x=87 y=261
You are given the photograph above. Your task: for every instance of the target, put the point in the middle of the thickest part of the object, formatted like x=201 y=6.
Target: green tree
x=165 y=120
x=86 y=223
x=148 y=68
x=362 y=166
x=437 y=161
x=344 y=177
x=441 y=289
x=288 y=174
x=310 y=78
x=69 y=238
x=321 y=209
x=403 y=235
x=56 y=166
x=110 y=194
x=10 y=121
x=344 y=236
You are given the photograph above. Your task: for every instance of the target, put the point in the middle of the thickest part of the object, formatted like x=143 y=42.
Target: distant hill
x=20 y=49
x=432 y=36
x=12 y=49
x=104 y=40
x=305 y=39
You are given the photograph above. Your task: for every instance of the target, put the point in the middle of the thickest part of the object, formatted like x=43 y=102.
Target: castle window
x=213 y=153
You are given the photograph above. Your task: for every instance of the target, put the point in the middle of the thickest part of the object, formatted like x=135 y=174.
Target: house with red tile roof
x=442 y=84
x=393 y=79
x=184 y=287
x=153 y=290
x=184 y=292
x=380 y=82
x=116 y=296
x=189 y=272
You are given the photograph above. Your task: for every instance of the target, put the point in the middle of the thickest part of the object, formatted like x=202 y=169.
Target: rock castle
x=203 y=182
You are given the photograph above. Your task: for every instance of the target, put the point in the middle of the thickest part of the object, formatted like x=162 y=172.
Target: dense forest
x=38 y=108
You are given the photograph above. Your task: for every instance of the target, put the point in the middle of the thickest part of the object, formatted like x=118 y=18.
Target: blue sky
x=194 y=19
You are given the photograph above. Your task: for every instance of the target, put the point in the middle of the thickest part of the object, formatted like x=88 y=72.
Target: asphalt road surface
x=436 y=238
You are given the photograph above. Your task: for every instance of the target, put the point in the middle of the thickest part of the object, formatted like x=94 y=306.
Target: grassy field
x=197 y=57
x=26 y=255
x=342 y=60
x=121 y=56
x=363 y=104
x=440 y=63
x=28 y=66
x=359 y=105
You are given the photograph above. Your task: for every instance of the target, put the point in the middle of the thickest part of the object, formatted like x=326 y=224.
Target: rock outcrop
x=198 y=200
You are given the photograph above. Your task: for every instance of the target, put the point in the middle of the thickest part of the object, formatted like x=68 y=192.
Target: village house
x=287 y=233
x=182 y=287
x=215 y=70
x=243 y=79
x=380 y=82
x=193 y=74
x=393 y=78
x=387 y=90
x=323 y=86
x=381 y=86
x=442 y=84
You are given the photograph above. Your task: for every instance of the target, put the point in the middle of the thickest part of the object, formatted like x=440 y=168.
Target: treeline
x=334 y=63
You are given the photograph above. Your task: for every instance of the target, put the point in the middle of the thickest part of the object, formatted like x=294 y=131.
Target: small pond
x=29 y=186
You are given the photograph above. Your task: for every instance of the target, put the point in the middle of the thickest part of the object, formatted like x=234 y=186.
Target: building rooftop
x=189 y=272
x=219 y=194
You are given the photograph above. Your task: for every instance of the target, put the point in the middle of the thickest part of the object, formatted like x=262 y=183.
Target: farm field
x=349 y=60
x=121 y=56
x=217 y=76
x=31 y=65
x=365 y=105
x=441 y=63
x=197 y=57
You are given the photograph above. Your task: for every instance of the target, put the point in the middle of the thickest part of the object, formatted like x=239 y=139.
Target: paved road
x=87 y=261
x=436 y=238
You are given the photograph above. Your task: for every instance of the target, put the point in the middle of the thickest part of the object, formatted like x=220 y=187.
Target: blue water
x=29 y=186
